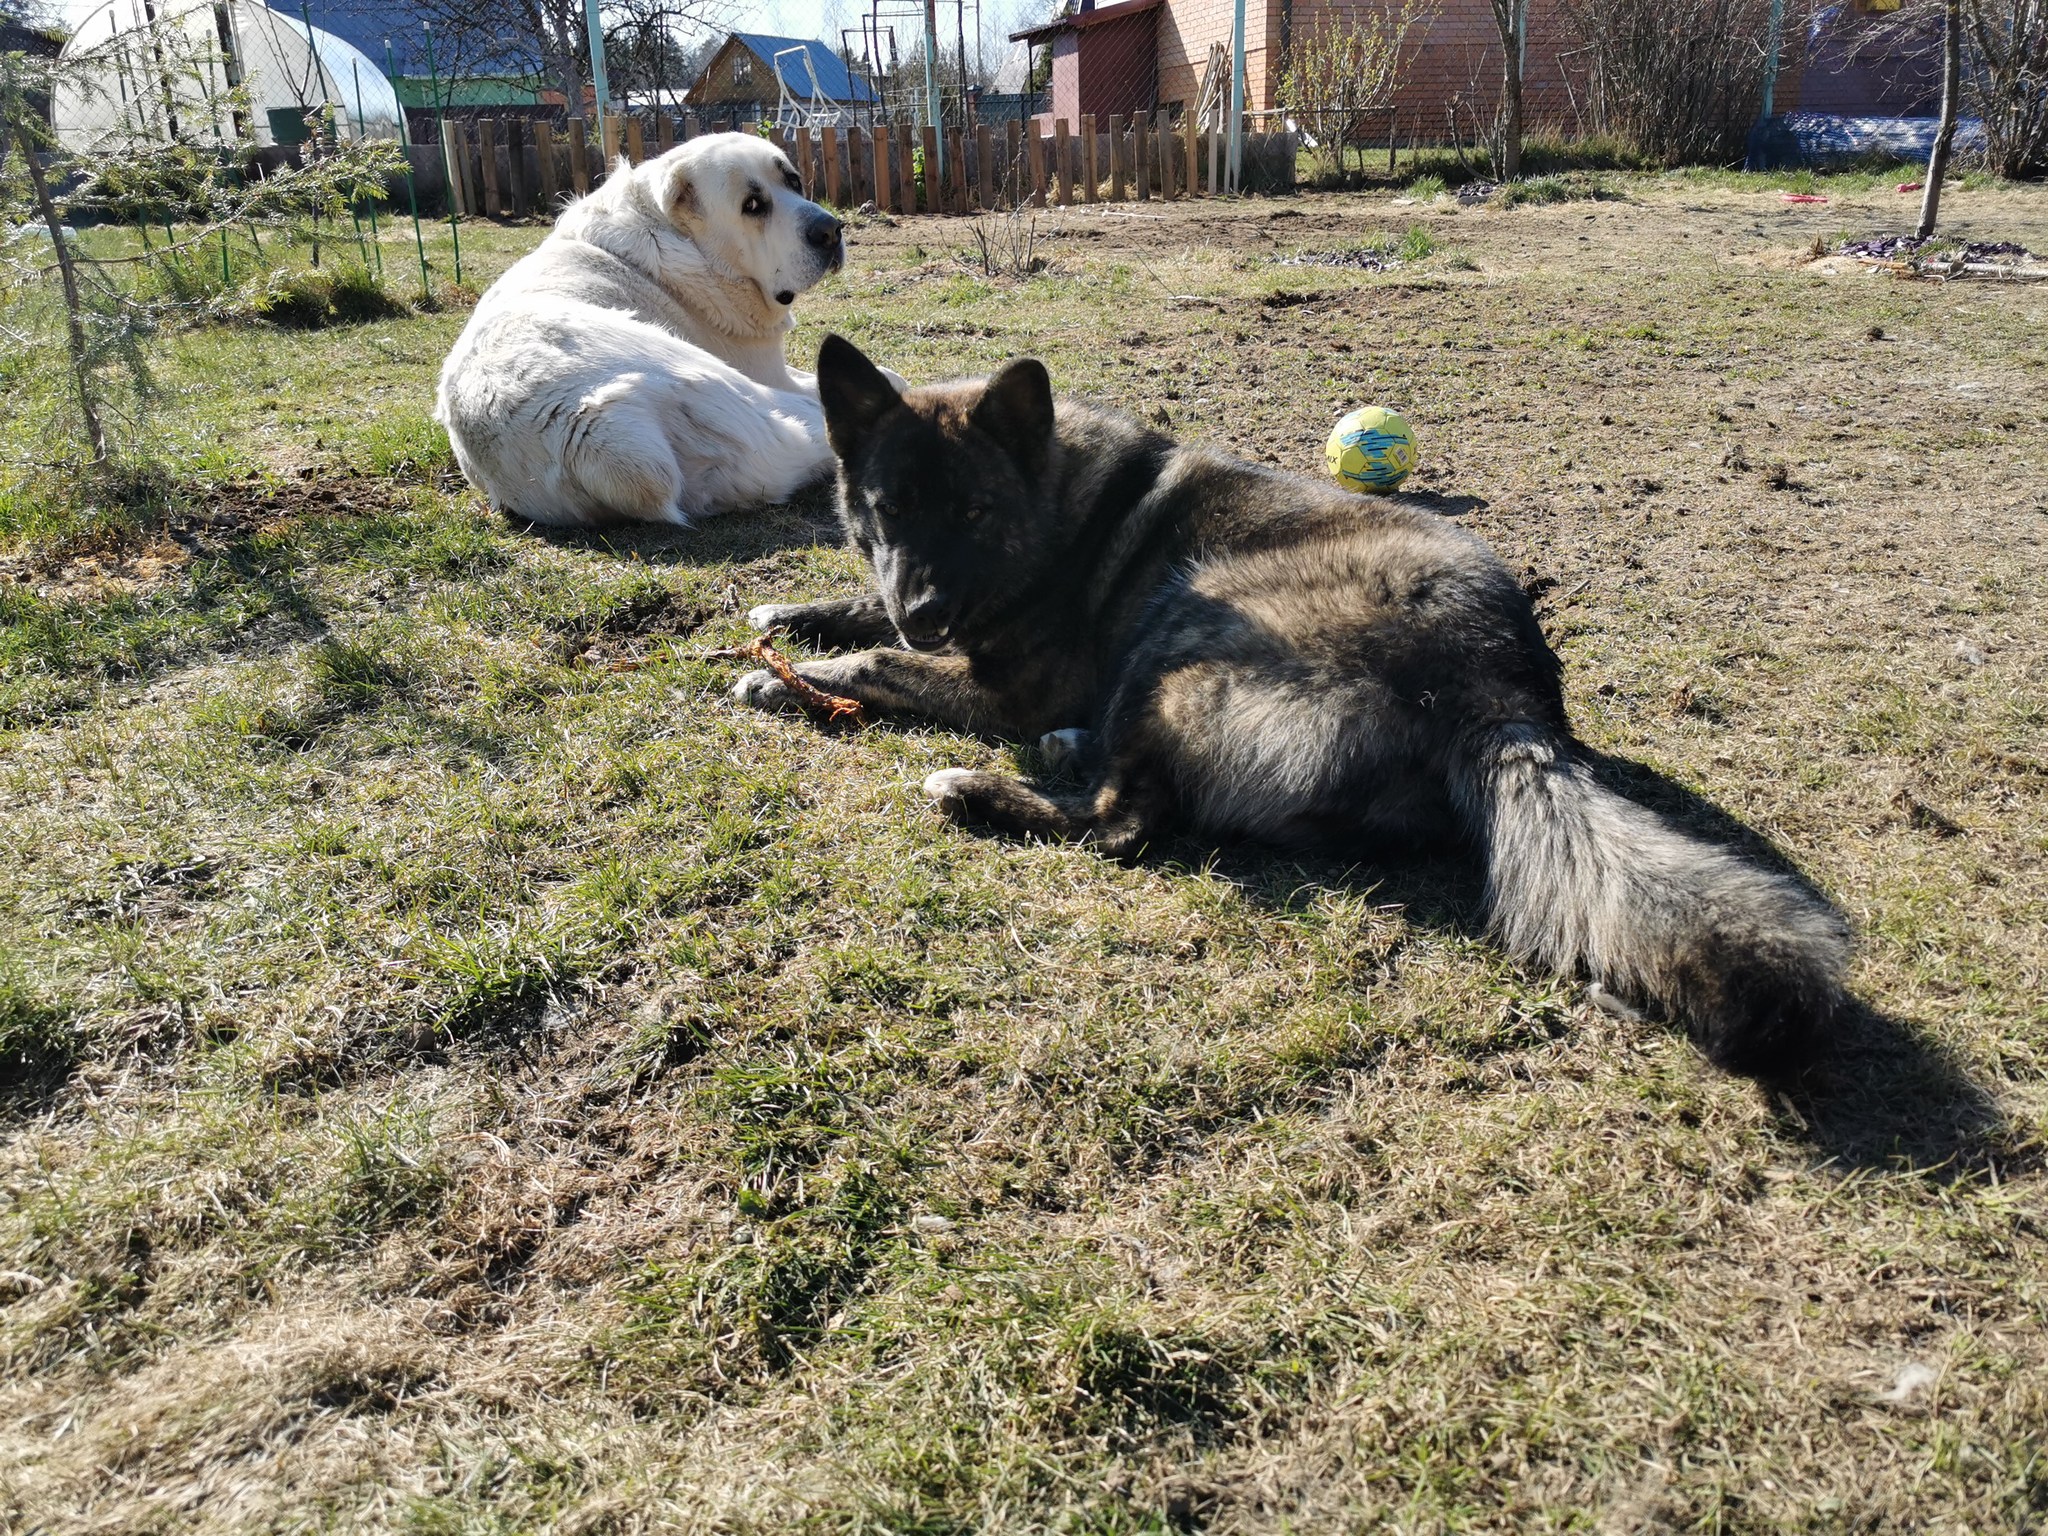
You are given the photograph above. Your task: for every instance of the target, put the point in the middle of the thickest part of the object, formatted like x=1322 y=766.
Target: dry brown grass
x=465 y=1085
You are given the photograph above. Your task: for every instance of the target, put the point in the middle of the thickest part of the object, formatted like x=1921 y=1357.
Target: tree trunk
x=570 y=75
x=558 y=24
x=1945 y=134
x=1512 y=16
x=81 y=365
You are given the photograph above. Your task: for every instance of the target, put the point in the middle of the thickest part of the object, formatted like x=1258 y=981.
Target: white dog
x=632 y=367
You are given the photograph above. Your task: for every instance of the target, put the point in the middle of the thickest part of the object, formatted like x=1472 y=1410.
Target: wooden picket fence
x=511 y=167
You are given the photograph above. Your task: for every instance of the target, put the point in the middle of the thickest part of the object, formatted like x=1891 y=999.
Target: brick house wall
x=1455 y=63
x=1119 y=66
x=1104 y=60
x=1188 y=27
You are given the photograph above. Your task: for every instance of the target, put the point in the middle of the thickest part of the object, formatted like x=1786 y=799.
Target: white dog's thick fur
x=632 y=366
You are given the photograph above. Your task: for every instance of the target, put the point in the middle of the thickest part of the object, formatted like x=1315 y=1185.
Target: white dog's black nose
x=823 y=231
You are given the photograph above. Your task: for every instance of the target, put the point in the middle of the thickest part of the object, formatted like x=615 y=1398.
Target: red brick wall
x=1455 y=59
x=1188 y=27
x=1066 y=75
x=1118 y=64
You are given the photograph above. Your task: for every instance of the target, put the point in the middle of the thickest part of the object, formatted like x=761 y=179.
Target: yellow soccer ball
x=1372 y=449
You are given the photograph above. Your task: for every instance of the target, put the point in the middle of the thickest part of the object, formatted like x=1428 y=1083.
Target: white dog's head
x=740 y=201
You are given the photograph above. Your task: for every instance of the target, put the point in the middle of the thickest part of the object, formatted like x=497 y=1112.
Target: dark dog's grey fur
x=1256 y=655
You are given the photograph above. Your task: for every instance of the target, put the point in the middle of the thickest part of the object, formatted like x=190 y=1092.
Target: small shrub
x=358 y=295
x=310 y=298
x=1572 y=187
x=1675 y=81
x=1416 y=244
x=1427 y=188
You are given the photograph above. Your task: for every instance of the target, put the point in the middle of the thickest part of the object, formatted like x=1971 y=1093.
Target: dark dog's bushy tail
x=1581 y=879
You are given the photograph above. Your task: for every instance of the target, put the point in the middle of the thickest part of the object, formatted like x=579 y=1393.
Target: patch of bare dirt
x=150 y=549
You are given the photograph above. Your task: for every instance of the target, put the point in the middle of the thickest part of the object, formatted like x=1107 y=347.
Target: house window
x=739 y=69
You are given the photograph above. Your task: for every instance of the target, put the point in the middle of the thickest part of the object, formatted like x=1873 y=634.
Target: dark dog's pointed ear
x=1016 y=407
x=855 y=393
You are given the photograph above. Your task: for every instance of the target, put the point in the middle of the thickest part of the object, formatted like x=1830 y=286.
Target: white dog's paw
x=764 y=690
x=767 y=616
x=1061 y=748
x=948 y=785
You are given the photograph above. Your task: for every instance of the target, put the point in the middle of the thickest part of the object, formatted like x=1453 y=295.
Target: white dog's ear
x=855 y=393
x=679 y=193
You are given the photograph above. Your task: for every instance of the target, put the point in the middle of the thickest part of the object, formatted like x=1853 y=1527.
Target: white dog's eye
x=755 y=204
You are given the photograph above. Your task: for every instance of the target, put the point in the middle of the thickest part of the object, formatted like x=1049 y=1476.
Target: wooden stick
x=985 y=166
x=1116 y=157
x=1141 y=157
x=636 y=139
x=1063 y=178
x=1034 y=150
x=1089 y=190
x=934 y=199
x=833 y=706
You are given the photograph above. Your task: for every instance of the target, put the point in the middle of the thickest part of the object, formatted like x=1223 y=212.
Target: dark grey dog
x=1251 y=654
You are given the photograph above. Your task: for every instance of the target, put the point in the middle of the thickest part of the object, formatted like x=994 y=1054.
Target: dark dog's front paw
x=764 y=690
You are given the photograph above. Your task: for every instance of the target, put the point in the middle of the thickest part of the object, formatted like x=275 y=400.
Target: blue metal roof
x=833 y=79
x=367 y=23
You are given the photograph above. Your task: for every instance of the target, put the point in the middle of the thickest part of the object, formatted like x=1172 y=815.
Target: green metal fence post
x=412 y=195
x=441 y=125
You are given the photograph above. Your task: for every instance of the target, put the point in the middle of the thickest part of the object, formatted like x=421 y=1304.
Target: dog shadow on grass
x=807 y=519
x=1881 y=1093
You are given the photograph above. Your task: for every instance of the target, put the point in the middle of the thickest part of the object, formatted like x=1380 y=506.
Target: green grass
x=464 y=1074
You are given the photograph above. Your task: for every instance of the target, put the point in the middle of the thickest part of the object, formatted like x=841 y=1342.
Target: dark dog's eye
x=973 y=512
x=755 y=205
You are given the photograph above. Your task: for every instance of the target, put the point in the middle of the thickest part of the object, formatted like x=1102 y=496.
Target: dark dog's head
x=940 y=489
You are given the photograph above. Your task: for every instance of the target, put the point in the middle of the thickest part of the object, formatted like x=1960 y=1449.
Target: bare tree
x=1511 y=18
x=2009 y=79
x=1349 y=66
x=1951 y=99
x=655 y=48
x=549 y=38
x=1679 y=81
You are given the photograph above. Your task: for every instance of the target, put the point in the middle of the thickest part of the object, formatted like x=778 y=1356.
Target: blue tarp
x=833 y=80
x=1816 y=138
